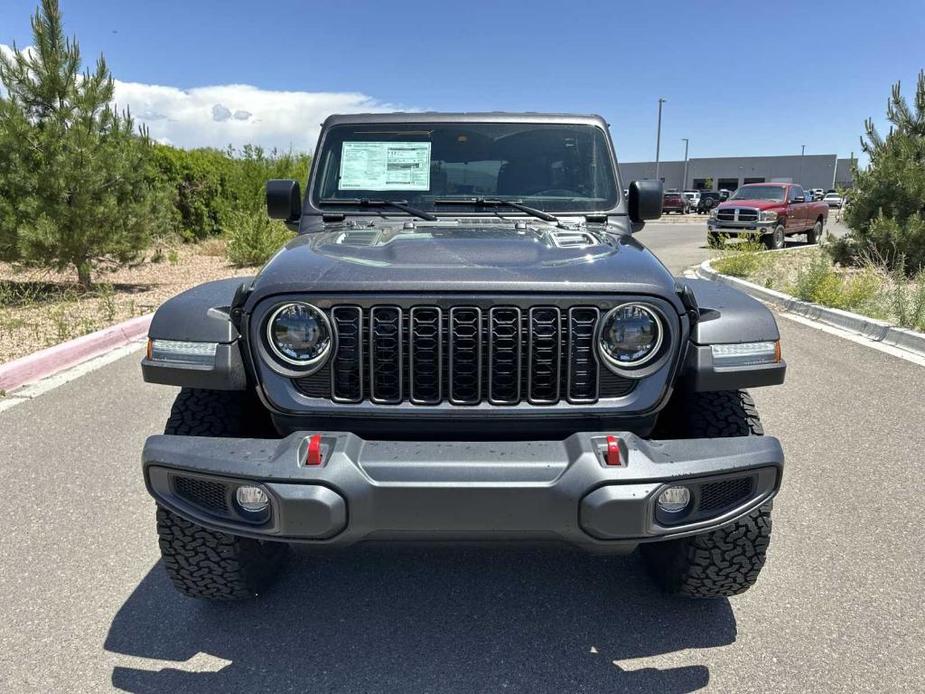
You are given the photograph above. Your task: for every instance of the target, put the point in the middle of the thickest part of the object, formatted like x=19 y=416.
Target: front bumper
x=731 y=227
x=521 y=490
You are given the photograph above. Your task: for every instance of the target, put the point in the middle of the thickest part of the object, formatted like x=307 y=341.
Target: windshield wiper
x=366 y=202
x=485 y=202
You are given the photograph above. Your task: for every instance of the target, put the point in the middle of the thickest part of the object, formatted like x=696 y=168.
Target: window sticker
x=384 y=166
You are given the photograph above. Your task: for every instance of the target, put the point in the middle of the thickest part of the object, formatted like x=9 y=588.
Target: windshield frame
x=312 y=208
x=779 y=186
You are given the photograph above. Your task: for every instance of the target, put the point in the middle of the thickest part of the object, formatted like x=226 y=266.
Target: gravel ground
x=40 y=308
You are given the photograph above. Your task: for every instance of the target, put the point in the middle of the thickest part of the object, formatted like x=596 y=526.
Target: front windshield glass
x=551 y=167
x=759 y=193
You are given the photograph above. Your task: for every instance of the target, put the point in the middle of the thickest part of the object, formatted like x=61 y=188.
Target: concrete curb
x=871 y=328
x=52 y=360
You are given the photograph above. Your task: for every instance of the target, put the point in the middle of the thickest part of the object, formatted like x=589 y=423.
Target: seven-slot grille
x=464 y=355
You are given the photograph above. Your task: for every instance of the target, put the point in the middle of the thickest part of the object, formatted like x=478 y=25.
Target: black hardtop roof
x=490 y=117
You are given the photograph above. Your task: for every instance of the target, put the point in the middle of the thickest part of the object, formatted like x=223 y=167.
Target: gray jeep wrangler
x=464 y=342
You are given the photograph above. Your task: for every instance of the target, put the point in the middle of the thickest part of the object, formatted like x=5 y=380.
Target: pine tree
x=79 y=188
x=887 y=206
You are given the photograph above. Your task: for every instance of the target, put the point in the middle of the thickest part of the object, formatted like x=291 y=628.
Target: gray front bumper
x=460 y=490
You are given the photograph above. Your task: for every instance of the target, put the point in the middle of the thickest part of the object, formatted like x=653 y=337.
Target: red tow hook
x=313 y=456
x=613 y=455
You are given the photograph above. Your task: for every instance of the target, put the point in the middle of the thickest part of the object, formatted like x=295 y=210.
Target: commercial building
x=811 y=171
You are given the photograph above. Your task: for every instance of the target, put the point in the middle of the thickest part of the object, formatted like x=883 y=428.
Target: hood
x=446 y=256
x=757 y=204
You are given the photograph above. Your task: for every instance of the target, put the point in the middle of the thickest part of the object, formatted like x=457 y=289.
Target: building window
x=754 y=180
x=728 y=183
x=703 y=184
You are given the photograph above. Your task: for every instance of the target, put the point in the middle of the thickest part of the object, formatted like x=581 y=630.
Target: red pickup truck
x=771 y=211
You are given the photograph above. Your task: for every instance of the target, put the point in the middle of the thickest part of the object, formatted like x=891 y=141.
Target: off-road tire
x=204 y=563
x=726 y=561
x=213 y=565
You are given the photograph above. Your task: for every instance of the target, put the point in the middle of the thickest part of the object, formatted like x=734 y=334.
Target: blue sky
x=740 y=77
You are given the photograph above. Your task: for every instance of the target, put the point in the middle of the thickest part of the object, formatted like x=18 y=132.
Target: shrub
x=77 y=183
x=886 y=210
x=819 y=283
x=742 y=260
x=907 y=299
x=253 y=238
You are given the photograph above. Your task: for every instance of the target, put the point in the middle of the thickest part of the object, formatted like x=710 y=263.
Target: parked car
x=708 y=200
x=833 y=200
x=674 y=202
x=770 y=211
x=693 y=199
x=425 y=363
x=818 y=193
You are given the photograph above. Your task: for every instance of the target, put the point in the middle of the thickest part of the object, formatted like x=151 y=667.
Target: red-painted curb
x=47 y=362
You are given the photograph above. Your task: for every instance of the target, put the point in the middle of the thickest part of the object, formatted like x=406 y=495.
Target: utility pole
x=802 y=152
x=658 y=137
x=684 y=181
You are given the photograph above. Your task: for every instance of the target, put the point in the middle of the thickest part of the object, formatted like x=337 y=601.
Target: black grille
x=737 y=214
x=716 y=496
x=582 y=364
x=504 y=349
x=385 y=354
x=426 y=355
x=465 y=355
x=346 y=374
x=203 y=493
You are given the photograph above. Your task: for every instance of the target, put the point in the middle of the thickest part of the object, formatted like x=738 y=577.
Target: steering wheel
x=557 y=193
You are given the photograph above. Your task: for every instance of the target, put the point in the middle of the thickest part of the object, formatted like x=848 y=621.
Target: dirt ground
x=40 y=308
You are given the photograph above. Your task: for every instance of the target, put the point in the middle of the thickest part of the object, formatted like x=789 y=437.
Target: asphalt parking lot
x=86 y=606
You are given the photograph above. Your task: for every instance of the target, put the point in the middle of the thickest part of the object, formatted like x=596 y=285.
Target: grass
x=810 y=275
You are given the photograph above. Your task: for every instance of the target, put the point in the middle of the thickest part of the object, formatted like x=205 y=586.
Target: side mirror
x=645 y=200
x=799 y=198
x=284 y=199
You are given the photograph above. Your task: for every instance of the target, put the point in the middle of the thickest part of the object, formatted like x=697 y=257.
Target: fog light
x=674 y=499
x=252 y=499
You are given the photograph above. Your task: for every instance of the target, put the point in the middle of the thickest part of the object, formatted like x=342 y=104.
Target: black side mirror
x=645 y=200
x=799 y=198
x=284 y=199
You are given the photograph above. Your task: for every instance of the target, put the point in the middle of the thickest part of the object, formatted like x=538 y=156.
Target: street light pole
x=802 y=152
x=658 y=137
x=684 y=181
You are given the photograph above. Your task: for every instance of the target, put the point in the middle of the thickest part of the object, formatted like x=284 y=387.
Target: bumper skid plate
x=426 y=490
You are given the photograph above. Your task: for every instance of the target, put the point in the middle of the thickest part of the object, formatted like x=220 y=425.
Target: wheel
x=204 y=563
x=708 y=204
x=725 y=561
x=814 y=235
x=775 y=240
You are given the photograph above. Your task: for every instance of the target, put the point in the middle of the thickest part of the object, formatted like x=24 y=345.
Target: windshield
x=759 y=193
x=554 y=167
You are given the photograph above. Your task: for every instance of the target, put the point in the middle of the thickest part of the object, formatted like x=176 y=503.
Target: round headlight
x=299 y=334
x=630 y=335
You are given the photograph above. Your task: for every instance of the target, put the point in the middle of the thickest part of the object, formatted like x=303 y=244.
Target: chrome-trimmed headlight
x=767 y=216
x=630 y=336
x=299 y=335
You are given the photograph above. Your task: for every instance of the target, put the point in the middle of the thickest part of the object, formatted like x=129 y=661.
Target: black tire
x=204 y=563
x=212 y=565
x=776 y=240
x=725 y=561
x=814 y=235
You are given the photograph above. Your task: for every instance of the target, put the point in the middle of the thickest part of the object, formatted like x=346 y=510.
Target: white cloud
x=236 y=114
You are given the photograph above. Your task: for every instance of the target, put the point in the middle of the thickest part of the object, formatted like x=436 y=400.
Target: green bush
x=886 y=210
x=78 y=189
x=742 y=260
x=819 y=283
x=253 y=237
x=907 y=300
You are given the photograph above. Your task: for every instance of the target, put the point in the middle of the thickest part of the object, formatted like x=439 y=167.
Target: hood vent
x=366 y=237
x=572 y=238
